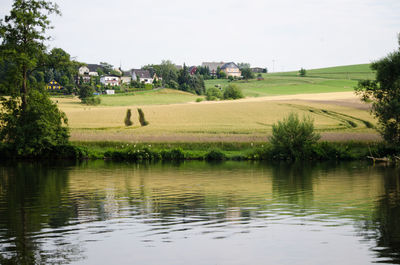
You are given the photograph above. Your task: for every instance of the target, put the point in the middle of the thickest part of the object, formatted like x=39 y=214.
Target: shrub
x=213 y=93
x=215 y=155
x=32 y=131
x=302 y=72
x=142 y=119
x=128 y=121
x=91 y=101
x=199 y=99
x=292 y=138
x=175 y=154
x=232 y=92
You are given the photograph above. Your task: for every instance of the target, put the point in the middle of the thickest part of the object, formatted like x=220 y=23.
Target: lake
x=99 y=212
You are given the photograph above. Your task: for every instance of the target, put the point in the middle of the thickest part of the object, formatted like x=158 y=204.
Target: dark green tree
x=302 y=72
x=35 y=129
x=29 y=122
x=232 y=92
x=128 y=121
x=22 y=34
x=142 y=119
x=384 y=92
x=247 y=73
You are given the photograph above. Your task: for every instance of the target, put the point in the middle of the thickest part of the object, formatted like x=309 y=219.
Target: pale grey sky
x=293 y=33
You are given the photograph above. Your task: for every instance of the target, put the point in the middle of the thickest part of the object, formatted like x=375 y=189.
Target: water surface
x=199 y=213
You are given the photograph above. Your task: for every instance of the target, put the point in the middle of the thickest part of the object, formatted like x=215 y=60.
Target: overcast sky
x=283 y=34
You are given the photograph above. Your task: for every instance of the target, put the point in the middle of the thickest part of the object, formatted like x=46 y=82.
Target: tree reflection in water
x=32 y=200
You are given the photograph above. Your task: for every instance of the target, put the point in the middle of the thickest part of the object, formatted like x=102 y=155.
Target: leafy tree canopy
x=384 y=92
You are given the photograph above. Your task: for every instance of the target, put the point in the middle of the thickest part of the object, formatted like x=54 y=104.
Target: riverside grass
x=321 y=151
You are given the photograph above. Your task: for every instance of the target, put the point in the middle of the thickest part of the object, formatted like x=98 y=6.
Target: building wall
x=232 y=72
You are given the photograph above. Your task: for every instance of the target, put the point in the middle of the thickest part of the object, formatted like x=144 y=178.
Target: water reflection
x=67 y=213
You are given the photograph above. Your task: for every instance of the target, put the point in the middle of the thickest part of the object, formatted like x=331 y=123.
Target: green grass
x=286 y=85
x=153 y=97
x=333 y=79
x=347 y=72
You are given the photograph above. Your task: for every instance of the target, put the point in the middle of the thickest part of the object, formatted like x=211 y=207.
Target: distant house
x=143 y=76
x=213 y=66
x=90 y=69
x=126 y=77
x=53 y=85
x=86 y=71
x=257 y=70
x=192 y=70
x=231 y=69
x=110 y=80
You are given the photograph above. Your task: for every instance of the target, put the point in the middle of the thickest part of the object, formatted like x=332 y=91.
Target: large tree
x=384 y=92
x=29 y=122
x=23 y=33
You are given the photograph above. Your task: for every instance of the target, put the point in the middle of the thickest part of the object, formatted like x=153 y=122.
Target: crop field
x=235 y=120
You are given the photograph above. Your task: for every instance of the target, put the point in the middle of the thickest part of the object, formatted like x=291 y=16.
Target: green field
x=153 y=97
x=347 y=72
x=333 y=79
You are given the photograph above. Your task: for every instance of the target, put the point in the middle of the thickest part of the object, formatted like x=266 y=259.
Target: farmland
x=174 y=116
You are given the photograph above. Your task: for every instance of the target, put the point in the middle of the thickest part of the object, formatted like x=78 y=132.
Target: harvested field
x=338 y=116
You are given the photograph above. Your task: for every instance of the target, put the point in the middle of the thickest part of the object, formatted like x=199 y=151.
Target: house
x=110 y=80
x=126 y=77
x=258 y=70
x=212 y=66
x=53 y=85
x=90 y=70
x=231 y=69
x=143 y=76
x=192 y=70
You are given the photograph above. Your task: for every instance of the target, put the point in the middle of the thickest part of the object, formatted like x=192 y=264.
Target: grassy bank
x=322 y=151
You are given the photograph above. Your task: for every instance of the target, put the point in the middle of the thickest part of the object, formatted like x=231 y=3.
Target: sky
x=281 y=35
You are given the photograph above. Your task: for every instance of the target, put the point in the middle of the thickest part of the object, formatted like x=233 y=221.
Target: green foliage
x=128 y=121
x=214 y=93
x=302 y=72
x=175 y=154
x=142 y=119
x=85 y=93
x=93 y=101
x=221 y=74
x=22 y=50
x=215 y=155
x=232 y=92
x=384 y=92
x=199 y=99
x=35 y=129
x=247 y=73
x=293 y=138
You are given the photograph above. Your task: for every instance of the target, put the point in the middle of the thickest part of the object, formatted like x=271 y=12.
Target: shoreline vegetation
x=210 y=151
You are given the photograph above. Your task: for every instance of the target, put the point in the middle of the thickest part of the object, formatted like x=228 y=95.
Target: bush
x=213 y=93
x=142 y=119
x=91 y=101
x=175 y=154
x=302 y=72
x=292 y=138
x=215 y=155
x=199 y=99
x=128 y=121
x=232 y=92
x=32 y=131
